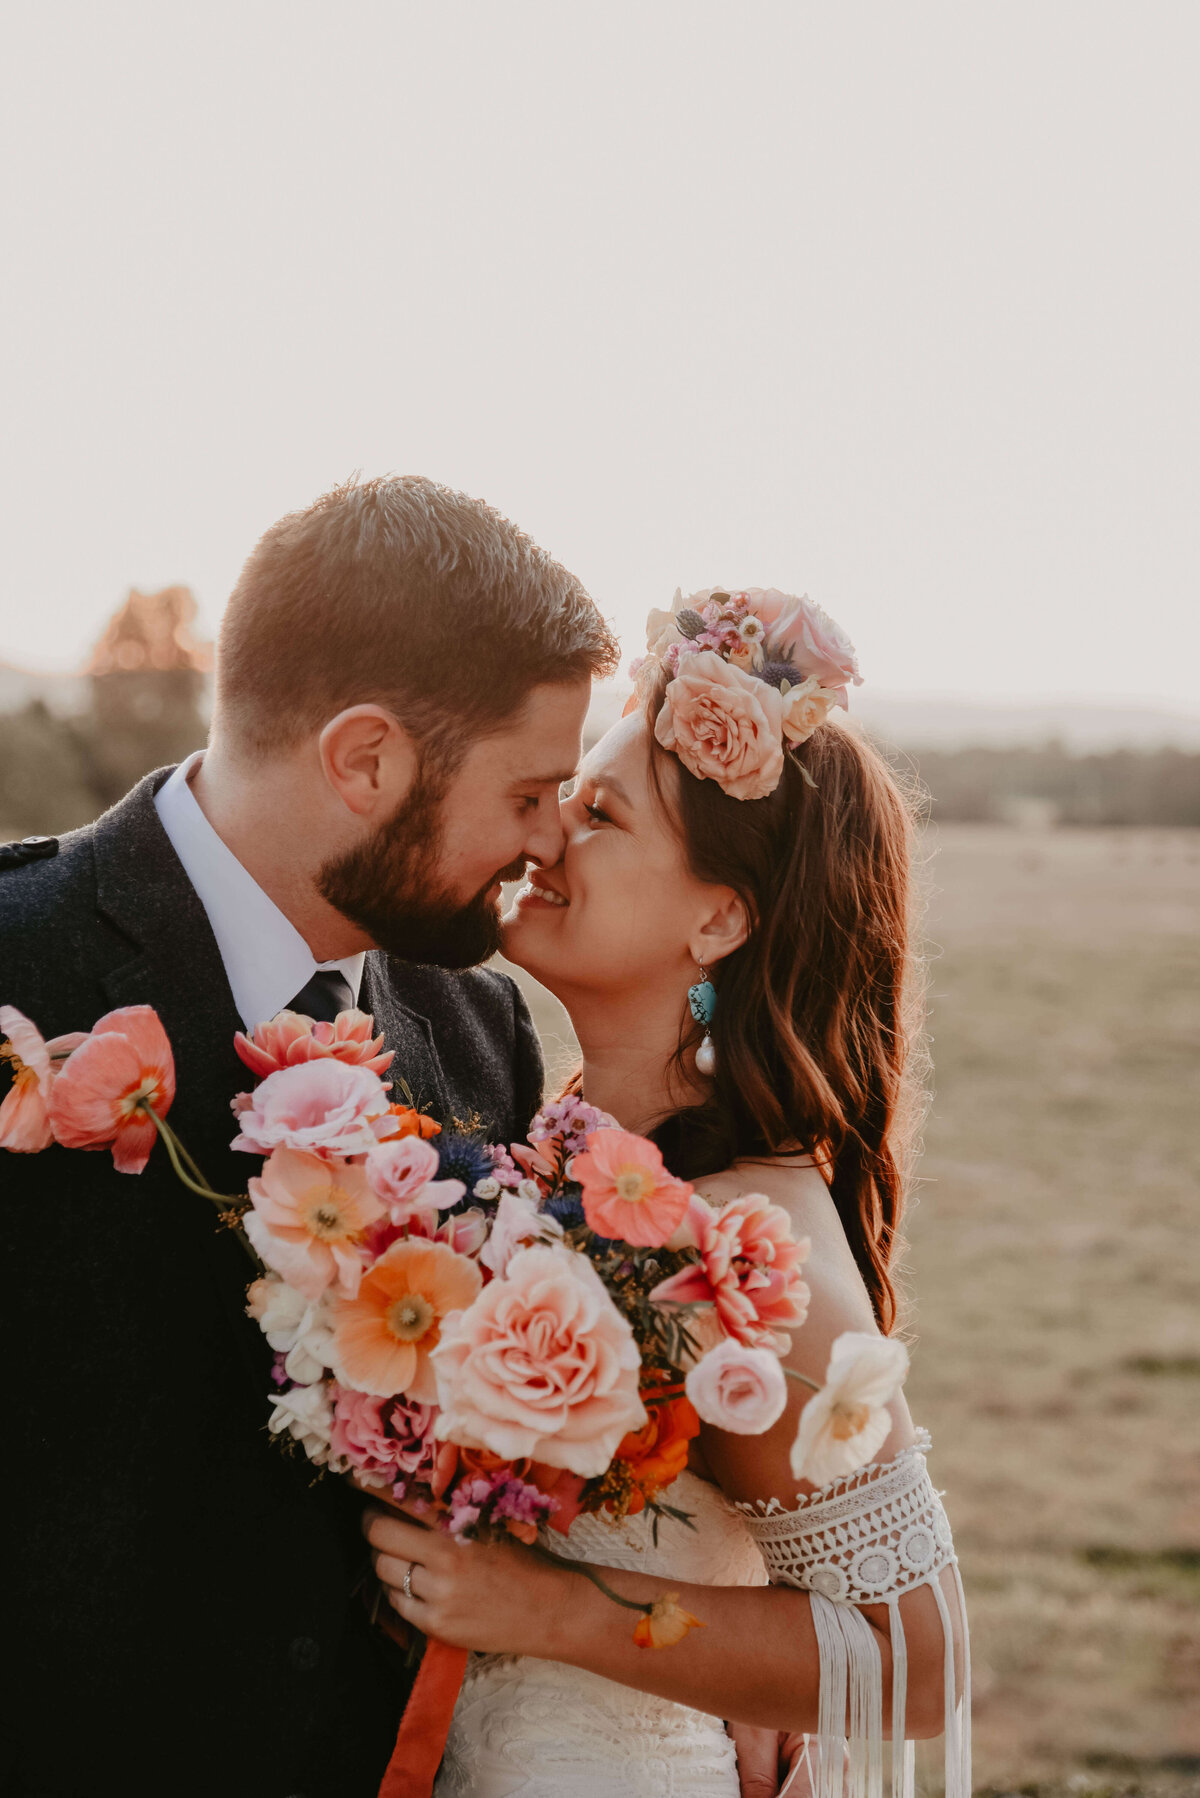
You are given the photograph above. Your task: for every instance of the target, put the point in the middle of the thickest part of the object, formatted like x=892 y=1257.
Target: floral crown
x=751 y=671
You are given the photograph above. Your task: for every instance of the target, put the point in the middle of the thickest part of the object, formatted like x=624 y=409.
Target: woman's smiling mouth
x=538 y=891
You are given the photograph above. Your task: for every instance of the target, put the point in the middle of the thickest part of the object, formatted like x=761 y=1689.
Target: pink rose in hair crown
x=724 y=725
x=820 y=648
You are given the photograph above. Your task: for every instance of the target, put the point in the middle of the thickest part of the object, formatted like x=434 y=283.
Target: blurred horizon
x=892 y=306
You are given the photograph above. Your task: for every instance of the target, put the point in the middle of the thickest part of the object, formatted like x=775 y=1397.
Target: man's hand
x=767 y=1762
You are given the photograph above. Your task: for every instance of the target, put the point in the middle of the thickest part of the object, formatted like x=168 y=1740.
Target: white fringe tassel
x=849 y=1739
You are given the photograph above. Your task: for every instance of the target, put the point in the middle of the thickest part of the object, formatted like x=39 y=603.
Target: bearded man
x=401 y=683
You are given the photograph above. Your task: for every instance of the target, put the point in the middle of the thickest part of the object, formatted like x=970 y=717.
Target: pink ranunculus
x=516 y=1223
x=111 y=1083
x=401 y=1172
x=25 y=1109
x=750 y=1268
x=739 y=1389
x=541 y=1364
x=723 y=725
x=820 y=648
x=386 y=1439
x=290 y=1038
x=309 y=1215
x=317 y=1106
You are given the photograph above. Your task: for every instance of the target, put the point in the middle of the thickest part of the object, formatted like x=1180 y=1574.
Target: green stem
x=630 y=1604
x=174 y=1149
x=802 y=1379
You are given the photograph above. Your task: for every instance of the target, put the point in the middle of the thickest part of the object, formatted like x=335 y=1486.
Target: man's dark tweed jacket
x=186 y=1620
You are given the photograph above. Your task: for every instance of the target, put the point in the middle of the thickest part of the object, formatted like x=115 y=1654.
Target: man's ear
x=724 y=929
x=368 y=758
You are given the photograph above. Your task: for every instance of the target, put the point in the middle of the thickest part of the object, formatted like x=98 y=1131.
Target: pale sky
x=895 y=305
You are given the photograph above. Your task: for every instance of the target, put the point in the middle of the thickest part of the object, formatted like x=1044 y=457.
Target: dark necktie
x=327 y=993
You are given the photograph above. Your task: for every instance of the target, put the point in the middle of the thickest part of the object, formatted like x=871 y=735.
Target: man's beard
x=385 y=887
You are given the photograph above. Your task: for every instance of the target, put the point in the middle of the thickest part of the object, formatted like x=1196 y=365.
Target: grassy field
x=1055 y=1283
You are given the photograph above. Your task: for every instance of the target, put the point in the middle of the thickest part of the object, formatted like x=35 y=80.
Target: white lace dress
x=539 y=1729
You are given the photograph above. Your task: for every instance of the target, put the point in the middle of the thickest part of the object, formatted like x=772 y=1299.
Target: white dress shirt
x=266 y=959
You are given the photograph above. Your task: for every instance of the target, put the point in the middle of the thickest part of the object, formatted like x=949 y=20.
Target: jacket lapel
x=409 y=1034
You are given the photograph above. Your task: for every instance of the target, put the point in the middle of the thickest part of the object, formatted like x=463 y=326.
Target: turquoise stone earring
x=702 y=1001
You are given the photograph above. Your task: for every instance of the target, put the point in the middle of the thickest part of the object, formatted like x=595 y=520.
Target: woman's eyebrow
x=610 y=785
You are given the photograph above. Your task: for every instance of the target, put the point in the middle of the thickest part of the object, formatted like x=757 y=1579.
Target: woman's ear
x=369 y=759
x=724 y=929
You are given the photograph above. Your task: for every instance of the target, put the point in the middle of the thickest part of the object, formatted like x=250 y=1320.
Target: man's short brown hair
x=402 y=593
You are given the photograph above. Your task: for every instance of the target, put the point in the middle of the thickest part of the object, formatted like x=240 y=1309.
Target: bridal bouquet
x=499 y=1338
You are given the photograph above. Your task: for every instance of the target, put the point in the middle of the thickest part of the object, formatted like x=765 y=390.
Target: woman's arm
x=756 y=1659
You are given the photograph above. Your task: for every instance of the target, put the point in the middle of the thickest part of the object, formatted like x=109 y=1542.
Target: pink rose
x=805 y=707
x=735 y=1388
x=541 y=1364
x=316 y=1106
x=724 y=726
x=384 y=1438
x=819 y=647
x=401 y=1173
x=517 y=1222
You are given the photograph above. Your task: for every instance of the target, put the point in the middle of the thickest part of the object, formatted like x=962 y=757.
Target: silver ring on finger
x=406 y=1582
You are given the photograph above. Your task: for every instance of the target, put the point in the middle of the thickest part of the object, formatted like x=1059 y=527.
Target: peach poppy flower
x=105 y=1093
x=665 y=1623
x=308 y=1218
x=627 y=1192
x=25 y=1109
x=382 y=1340
x=291 y=1037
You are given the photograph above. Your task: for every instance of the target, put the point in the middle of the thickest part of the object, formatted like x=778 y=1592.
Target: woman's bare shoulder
x=795 y=1183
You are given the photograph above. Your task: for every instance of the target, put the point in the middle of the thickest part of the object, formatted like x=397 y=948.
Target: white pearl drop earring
x=702 y=1001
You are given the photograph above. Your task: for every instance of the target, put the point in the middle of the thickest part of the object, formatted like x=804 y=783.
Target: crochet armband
x=868 y=1539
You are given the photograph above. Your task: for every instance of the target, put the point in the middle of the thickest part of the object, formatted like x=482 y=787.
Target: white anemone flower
x=844 y=1424
x=307 y=1415
x=298 y=1328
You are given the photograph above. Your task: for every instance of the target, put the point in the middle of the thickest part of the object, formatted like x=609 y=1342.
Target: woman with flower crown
x=729 y=930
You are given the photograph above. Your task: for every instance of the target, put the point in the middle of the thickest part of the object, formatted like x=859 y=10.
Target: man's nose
x=547 y=839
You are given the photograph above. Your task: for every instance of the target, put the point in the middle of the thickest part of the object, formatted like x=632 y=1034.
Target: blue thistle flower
x=462 y=1158
x=567 y=1208
x=775 y=673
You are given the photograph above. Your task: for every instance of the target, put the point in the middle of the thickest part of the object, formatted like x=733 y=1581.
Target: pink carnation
x=386 y=1439
x=319 y=1106
x=290 y=1038
x=750 y=1268
x=723 y=725
x=541 y=1364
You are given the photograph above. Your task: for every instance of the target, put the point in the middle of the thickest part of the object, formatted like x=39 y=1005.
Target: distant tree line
x=998 y=785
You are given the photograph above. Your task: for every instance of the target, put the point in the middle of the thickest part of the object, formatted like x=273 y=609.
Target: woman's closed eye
x=597 y=814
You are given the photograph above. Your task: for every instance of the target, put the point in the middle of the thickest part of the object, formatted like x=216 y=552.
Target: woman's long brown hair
x=819 y=1010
